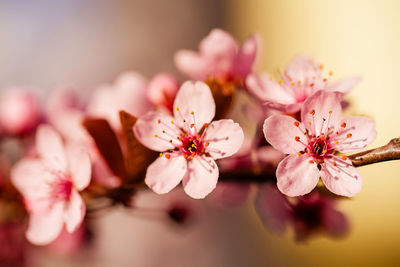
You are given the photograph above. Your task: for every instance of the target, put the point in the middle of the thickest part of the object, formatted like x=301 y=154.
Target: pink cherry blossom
x=128 y=93
x=50 y=183
x=302 y=77
x=307 y=215
x=188 y=144
x=219 y=57
x=19 y=111
x=313 y=143
x=162 y=90
x=66 y=115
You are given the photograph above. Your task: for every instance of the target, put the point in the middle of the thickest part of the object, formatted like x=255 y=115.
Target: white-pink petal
x=74 y=211
x=358 y=133
x=194 y=103
x=165 y=174
x=225 y=137
x=45 y=227
x=344 y=86
x=343 y=179
x=326 y=109
x=281 y=132
x=201 y=178
x=193 y=65
x=246 y=56
x=149 y=130
x=296 y=175
x=50 y=147
x=79 y=166
x=267 y=89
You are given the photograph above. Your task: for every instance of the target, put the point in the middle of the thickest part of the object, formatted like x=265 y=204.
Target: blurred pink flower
x=307 y=215
x=50 y=185
x=128 y=93
x=219 y=57
x=19 y=111
x=189 y=145
x=66 y=114
x=162 y=90
x=313 y=144
x=302 y=77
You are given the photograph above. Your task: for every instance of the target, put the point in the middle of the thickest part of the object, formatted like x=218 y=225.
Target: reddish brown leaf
x=107 y=143
x=138 y=157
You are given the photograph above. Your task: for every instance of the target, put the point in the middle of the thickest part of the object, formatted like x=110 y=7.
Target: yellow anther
x=156 y=135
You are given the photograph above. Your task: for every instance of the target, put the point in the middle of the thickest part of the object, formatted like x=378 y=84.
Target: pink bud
x=19 y=111
x=162 y=90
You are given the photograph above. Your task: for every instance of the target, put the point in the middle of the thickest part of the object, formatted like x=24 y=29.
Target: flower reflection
x=309 y=215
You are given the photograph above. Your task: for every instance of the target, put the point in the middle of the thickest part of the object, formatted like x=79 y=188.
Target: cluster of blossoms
x=75 y=152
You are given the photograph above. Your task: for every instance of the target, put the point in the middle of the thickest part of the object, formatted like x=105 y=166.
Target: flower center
x=62 y=188
x=192 y=146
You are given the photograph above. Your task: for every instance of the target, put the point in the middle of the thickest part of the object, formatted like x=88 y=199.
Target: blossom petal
x=165 y=174
x=45 y=227
x=194 y=103
x=218 y=42
x=74 y=211
x=358 y=133
x=266 y=89
x=154 y=130
x=302 y=68
x=79 y=166
x=322 y=110
x=202 y=177
x=281 y=132
x=272 y=208
x=31 y=179
x=342 y=179
x=344 y=86
x=50 y=147
x=231 y=193
x=246 y=56
x=296 y=175
x=225 y=138
x=192 y=64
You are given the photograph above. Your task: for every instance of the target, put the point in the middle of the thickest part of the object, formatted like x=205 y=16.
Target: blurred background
x=47 y=43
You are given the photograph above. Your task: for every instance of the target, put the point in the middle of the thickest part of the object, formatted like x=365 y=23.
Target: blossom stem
x=390 y=151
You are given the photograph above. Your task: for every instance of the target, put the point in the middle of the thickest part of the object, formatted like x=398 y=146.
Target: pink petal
x=290 y=108
x=50 y=147
x=302 y=68
x=165 y=174
x=131 y=94
x=344 y=180
x=267 y=89
x=217 y=43
x=79 y=166
x=334 y=222
x=32 y=180
x=128 y=93
x=231 y=193
x=162 y=89
x=193 y=65
x=322 y=103
x=273 y=208
x=195 y=103
x=202 y=177
x=268 y=155
x=45 y=227
x=296 y=175
x=69 y=124
x=225 y=138
x=281 y=132
x=358 y=133
x=344 y=86
x=147 y=127
x=74 y=211
x=246 y=57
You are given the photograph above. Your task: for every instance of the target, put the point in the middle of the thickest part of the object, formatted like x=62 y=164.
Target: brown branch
x=390 y=151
